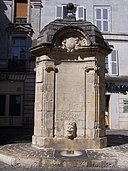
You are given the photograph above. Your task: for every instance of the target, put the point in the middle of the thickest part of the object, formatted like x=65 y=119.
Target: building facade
x=111 y=18
x=20 y=24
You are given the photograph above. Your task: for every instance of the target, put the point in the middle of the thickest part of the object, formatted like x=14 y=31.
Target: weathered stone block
x=77 y=107
x=39 y=74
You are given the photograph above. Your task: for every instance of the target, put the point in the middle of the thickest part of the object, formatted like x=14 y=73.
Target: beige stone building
x=19 y=24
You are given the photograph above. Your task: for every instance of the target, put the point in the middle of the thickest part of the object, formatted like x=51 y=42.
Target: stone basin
x=71 y=153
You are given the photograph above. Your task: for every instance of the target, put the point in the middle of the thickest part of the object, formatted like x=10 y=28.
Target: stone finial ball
x=70 y=6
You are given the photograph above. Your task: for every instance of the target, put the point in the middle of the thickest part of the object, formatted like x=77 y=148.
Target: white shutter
x=105 y=16
x=102 y=18
x=98 y=14
x=98 y=18
x=114 y=63
x=80 y=13
x=59 y=12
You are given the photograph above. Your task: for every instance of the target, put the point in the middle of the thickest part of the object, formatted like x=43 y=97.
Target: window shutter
x=80 y=13
x=64 y=11
x=98 y=13
x=84 y=14
x=114 y=63
x=98 y=18
x=105 y=26
x=59 y=12
x=21 y=10
x=106 y=64
x=105 y=13
x=102 y=18
x=105 y=19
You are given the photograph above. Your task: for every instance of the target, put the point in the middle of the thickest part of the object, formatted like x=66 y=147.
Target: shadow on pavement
x=11 y=135
x=115 y=140
x=117 y=137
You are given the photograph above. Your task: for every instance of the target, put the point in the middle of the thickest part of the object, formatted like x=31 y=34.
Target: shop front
x=117 y=103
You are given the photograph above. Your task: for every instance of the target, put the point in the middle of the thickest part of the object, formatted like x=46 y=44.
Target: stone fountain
x=70 y=86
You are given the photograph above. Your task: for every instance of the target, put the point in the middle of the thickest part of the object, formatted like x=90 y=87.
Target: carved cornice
x=20 y=28
x=87 y=69
x=50 y=68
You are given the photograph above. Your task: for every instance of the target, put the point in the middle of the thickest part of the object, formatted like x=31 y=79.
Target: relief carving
x=73 y=43
x=71 y=130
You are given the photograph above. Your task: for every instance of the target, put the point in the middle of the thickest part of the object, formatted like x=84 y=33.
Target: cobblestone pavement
x=5 y=167
x=16 y=150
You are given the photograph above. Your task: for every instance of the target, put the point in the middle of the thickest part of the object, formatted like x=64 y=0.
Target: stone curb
x=8 y=159
x=54 y=163
x=15 y=161
x=25 y=156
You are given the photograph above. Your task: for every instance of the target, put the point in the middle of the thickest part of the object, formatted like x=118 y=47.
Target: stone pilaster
x=44 y=99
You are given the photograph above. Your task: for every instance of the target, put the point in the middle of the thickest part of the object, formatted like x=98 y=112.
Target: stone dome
x=57 y=32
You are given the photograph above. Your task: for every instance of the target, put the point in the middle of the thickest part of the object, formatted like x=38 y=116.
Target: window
x=125 y=106
x=15 y=105
x=102 y=18
x=20 y=15
x=79 y=12
x=111 y=63
x=19 y=48
x=106 y=64
x=2 y=105
x=114 y=63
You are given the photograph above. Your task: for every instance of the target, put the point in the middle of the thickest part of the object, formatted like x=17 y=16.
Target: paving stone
x=5 y=167
x=106 y=159
x=24 y=153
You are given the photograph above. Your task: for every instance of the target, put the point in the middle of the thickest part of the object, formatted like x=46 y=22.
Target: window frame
x=7 y=105
x=110 y=63
x=28 y=13
x=77 y=12
x=106 y=64
x=114 y=62
x=102 y=19
x=26 y=48
x=11 y=103
x=61 y=11
x=4 y=106
x=125 y=106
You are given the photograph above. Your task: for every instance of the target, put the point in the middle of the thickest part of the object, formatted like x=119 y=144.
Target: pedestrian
x=106 y=119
